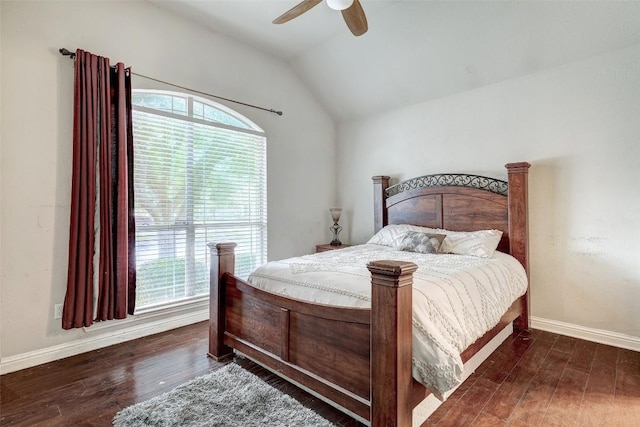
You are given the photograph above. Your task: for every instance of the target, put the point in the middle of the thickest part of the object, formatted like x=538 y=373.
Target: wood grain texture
x=355 y=19
x=380 y=184
x=329 y=247
x=296 y=11
x=336 y=351
x=544 y=385
x=420 y=209
x=463 y=212
x=391 y=351
x=518 y=174
x=222 y=262
x=327 y=348
x=112 y=378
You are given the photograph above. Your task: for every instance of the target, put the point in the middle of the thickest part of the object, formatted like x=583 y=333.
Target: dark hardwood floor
x=533 y=379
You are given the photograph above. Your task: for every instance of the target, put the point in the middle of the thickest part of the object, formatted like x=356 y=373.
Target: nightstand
x=328 y=247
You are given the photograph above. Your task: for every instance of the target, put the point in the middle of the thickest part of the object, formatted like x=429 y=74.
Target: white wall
x=37 y=97
x=579 y=126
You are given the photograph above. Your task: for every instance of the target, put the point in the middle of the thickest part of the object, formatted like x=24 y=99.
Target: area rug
x=230 y=396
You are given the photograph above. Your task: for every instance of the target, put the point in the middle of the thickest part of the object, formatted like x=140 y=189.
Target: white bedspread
x=456 y=298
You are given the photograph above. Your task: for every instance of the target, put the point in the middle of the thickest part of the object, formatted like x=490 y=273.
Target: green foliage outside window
x=195 y=182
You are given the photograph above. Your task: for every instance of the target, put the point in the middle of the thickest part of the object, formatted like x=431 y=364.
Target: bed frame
x=360 y=359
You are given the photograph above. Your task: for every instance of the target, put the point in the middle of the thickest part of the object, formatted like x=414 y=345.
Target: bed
x=360 y=359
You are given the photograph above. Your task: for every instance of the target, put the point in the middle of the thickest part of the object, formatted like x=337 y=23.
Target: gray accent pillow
x=424 y=243
x=392 y=234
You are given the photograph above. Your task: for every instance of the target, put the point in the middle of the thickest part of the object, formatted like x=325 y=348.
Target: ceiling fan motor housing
x=339 y=4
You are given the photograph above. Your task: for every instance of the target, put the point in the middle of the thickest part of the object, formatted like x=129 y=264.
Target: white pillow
x=481 y=243
x=392 y=234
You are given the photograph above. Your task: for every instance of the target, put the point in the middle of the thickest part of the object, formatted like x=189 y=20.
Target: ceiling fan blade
x=355 y=18
x=296 y=11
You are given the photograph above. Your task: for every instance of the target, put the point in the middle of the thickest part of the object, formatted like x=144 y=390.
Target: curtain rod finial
x=66 y=52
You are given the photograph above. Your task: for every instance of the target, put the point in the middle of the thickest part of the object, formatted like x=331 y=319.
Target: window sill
x=154 y=314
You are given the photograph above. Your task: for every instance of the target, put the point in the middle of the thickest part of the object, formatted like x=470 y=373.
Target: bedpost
x=222 y=261
x=391 y=350
x=380 y=218
x=519 y=227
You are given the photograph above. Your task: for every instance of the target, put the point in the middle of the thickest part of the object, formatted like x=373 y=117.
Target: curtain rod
x=66 y=52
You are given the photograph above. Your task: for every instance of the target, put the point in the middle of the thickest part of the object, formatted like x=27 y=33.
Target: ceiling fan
x=351 y=12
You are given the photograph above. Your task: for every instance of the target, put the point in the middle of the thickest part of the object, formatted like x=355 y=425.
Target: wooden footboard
x=358 y=360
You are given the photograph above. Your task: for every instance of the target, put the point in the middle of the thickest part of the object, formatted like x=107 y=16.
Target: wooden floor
x=534 y=379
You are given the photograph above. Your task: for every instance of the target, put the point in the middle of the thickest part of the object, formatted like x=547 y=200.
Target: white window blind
x=200 y=177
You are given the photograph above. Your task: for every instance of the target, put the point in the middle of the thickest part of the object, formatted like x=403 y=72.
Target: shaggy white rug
x=230 y=396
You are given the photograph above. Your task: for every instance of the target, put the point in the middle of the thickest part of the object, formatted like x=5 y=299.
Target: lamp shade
x=339 y=4
x=335 y=214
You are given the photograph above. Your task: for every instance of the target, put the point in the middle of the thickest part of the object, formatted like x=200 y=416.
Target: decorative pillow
x=392 y=234
x=424 y=243
x=481 y=243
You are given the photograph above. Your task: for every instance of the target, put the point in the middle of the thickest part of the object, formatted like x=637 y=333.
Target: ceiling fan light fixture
x=339 y=4
x=351 y=10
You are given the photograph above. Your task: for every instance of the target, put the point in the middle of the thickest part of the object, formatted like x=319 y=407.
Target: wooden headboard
x=461 y=202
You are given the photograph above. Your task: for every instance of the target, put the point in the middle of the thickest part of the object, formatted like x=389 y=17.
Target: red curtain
x=101 y=195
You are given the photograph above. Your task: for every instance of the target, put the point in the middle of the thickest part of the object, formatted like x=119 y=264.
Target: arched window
x=200 y=177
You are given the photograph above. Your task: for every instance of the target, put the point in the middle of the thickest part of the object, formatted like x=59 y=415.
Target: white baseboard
x=149 y=324
x=589 y=334
x=103 y=335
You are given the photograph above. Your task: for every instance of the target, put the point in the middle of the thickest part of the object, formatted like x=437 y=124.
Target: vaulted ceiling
x=419 y=50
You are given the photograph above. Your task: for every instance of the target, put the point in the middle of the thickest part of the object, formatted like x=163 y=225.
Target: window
x=200 y=177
